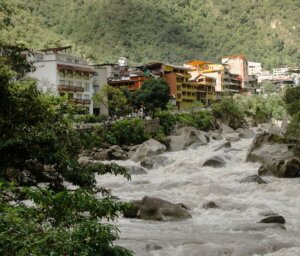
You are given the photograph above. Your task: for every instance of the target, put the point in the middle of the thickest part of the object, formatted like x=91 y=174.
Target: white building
x=103 y=73
x=62 y=73
x=280 y=71
x=254 y=68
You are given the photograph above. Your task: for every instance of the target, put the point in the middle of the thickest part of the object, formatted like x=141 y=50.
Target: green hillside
x=171 y=30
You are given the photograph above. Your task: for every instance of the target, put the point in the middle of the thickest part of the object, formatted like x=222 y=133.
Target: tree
x=229 y=112
x=37 y=144
x=113 y=99
x=154 y=94
x=292 y=101
x=269 y=88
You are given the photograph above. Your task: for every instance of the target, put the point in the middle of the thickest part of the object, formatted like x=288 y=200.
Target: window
x=69 y=82
x=62 y=82
x=86 y=96
x=96 y=88
x=79 y=84
x=79 y=96
x=86 y=87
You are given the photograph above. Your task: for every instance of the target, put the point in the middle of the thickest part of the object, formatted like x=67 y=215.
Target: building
x=207 y=77
x=59 y=72
x=282 y=71
x=237 y=66
x=254 y=68
x=177 y=78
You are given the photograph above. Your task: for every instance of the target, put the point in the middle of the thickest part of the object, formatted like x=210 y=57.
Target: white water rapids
x=231 y=229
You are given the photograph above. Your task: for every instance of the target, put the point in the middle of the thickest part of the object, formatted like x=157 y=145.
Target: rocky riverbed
x=234 y=212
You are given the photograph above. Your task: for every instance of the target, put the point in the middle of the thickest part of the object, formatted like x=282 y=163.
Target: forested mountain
x=168 y=30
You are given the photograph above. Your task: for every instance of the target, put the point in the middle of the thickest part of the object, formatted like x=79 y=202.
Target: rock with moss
x=276 y=154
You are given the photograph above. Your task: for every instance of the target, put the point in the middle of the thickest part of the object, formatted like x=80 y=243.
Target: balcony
x=81 y=101
x=71 y=88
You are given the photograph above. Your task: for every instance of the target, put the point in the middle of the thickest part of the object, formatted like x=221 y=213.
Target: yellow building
x=206 y=78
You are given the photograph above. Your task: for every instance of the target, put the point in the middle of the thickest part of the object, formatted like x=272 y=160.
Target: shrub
x=167 y=121
x=126 y=132
x=202 y=120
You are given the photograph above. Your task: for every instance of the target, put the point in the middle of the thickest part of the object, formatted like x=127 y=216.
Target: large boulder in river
x=151 y=208
x=215 y=161
x=155 y=162
x=150 y=147
x=273 y=219
x=276 y=155
x=187 y=137
x=253 y=178
x=246 y=133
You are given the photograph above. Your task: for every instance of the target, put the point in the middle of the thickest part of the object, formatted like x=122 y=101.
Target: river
x=231 y=229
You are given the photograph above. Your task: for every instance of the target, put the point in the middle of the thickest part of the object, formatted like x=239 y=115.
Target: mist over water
x=231 y=229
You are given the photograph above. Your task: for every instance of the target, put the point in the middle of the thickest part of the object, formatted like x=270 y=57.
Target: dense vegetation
x=49 y=203
x=292 y=100
x=166 y=30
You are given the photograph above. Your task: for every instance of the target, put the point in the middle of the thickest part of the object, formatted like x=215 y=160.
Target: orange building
x=175 y=76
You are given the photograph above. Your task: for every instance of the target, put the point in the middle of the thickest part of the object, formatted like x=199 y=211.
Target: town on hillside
x=60 y=72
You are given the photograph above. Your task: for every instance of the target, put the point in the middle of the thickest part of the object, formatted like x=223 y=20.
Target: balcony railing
x=81 y=101
x=72 y=88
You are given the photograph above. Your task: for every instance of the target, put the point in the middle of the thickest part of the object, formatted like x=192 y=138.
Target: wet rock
x=246 y=133
x=253 y=178
x=226 y=129
x=132 y=150
x=232 y=138
x=155 y=162
x=187 y=137
x=153 y=247
x=149 y=148
x=273 y=219
x=231 y=150
x=216 y=135
x=183 y=206
x=100 y=155
x=215 y=161
x=132 y=211
x=116 y=153
x=209 y=205
x=277 y=158
x=84 y=160
x=134 y=170
x=147 y=163
x=151 y=208
x=226 y=144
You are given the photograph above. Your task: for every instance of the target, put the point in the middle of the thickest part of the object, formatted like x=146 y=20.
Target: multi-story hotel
x=61 y=73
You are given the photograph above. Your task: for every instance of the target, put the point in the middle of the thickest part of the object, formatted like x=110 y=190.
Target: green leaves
x=292 y=100
x=126 y=132
x=39 y=145
x=154 y=94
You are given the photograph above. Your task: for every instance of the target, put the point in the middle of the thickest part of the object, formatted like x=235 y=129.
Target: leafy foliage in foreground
x=38 y=145
x=57 y=223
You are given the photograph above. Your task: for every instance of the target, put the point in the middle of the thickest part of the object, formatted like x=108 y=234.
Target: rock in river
x=151 y=208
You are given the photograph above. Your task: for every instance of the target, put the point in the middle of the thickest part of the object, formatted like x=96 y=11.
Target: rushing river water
x=231 y=229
